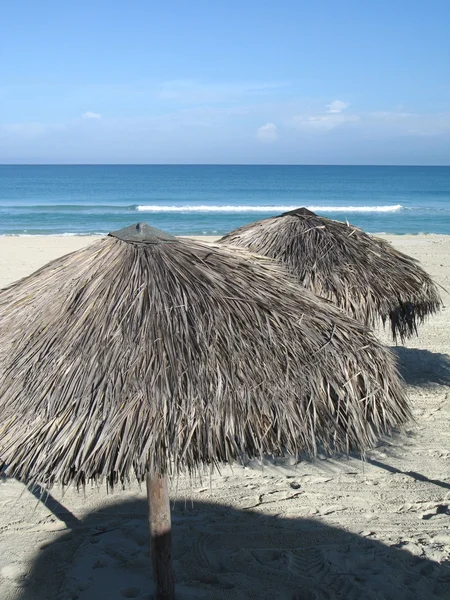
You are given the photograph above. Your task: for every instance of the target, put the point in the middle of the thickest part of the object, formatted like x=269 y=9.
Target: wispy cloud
x=390 y=115
x=323 y=122
x=329 y=118
x=254 y=124
x=187 y=91
x=267 y=133
x=91 y=115
x=337 y=106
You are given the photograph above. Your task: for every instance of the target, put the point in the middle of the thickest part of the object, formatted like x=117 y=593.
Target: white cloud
x=91 y=115
x=337 y=106
x=267 y=133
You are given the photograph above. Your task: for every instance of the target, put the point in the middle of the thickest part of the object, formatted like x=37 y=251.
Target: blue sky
x=286 y=82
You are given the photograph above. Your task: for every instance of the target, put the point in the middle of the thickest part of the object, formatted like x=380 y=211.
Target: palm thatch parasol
x=362 y=274
x=144 y=354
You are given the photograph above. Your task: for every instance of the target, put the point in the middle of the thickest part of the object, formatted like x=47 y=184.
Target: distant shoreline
x=85 y=236
x=32 y=252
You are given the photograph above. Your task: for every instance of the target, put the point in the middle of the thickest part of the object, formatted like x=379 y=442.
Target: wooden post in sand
x=160 y=536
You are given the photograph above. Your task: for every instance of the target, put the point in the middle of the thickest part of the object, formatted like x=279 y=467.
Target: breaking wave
x=270 y=209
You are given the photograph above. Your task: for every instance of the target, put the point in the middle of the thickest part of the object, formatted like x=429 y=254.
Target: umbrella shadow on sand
x=222 y=552
x=420 y=367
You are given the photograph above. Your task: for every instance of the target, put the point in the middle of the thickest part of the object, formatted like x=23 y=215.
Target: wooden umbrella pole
x=160 y=536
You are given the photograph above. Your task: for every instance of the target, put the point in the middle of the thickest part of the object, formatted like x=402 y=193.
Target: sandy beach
x=320 y=529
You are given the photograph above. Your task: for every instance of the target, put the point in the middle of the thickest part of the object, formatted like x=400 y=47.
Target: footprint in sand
x=130 y=592
x=438 y=509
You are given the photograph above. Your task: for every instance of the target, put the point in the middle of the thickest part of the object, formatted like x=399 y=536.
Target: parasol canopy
x=362 y=274
x=143 y=352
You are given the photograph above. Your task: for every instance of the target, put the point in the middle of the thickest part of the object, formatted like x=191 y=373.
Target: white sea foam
x=55 y=234
x=275 y=209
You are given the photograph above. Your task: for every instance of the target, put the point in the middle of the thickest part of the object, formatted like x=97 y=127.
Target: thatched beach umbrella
x=364 y=275
x=144 y=354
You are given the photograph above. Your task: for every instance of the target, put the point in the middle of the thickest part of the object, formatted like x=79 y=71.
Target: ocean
x=214 y=199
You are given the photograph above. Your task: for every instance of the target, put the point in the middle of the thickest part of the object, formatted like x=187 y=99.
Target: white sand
x=324 y=529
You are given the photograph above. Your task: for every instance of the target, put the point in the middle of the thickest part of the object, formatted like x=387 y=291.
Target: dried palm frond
x=158 y=355
x=362 y=274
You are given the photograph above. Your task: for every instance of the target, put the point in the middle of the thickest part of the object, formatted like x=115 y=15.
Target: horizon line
x=138 y=164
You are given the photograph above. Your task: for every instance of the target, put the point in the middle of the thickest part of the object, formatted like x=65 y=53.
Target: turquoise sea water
x=212 y=200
